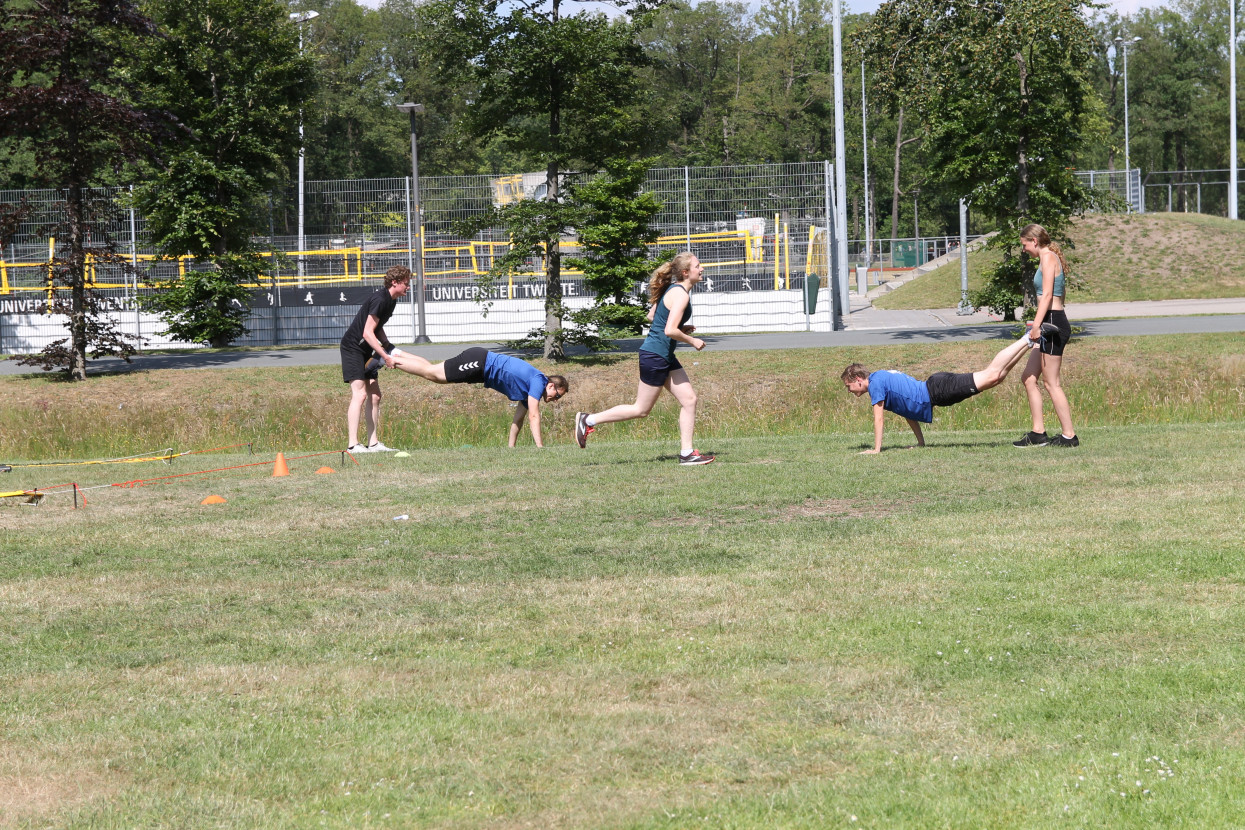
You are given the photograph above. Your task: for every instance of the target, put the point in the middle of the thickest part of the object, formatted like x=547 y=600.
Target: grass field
x=796 y=636
x=1155 y=256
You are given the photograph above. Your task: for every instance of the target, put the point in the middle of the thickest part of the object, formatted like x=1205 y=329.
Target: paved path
x=866 y=326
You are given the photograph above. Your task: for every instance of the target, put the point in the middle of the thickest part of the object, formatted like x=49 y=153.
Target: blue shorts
x=655 y=370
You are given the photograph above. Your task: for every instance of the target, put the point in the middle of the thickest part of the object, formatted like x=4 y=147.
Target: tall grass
x=1185 y=378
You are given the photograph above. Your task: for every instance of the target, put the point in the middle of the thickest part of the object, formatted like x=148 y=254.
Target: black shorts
x=467 y=367
x=948 y=389
x=1053 y=344
x=354 y=358
x=655 y=370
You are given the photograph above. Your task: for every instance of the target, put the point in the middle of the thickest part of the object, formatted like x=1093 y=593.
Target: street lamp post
x=1232 y=172
x=864 y=130
x=421 y=334
x=1122 y=45
x=300 y=18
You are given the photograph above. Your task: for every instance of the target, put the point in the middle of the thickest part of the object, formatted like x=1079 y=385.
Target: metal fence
x=1188 y=191
x=1124 y=186
x=759 y=230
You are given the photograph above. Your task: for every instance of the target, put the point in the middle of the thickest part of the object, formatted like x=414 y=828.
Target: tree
x=786 y=104
x=1001 y=89
x=562 y=90
x=65 y=86
x=615 y=230
x=696 y=55
x=232 y=72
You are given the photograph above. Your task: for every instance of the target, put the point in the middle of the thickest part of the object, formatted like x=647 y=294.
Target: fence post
x=830 y=264
x=410 y=246
x=274 y=278
x=687 y=207
x=138 y=317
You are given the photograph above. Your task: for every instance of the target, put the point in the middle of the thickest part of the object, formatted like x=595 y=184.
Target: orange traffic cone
x=280 y=468
x=213 y=500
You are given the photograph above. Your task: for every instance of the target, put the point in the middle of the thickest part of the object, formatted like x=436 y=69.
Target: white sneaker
x=378 y=447
x=355 y=449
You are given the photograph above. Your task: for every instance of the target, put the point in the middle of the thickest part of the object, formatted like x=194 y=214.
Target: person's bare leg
x=681 y=387
x=413 y=364
x=1032 y=372
x=358 y=397
x=645 y=397
x=371 y=411
x=1051 y=364
x=1003 y=363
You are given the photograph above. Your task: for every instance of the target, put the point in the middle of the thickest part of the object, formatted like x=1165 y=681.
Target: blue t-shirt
x=514 y=378
x=902 y=394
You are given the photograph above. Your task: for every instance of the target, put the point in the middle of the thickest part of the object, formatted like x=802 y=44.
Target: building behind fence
x=759 y=230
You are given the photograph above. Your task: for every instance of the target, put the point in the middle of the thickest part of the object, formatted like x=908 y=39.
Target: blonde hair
x=1039 y=235
x=667 y=273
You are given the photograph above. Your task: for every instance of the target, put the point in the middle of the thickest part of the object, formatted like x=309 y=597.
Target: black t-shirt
x=380 y=305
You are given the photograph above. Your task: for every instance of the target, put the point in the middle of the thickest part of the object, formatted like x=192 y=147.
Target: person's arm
x=1047 y=265
x=879 y=417
x=516 y=425
x=916 y=430
x=530 y=411
x=372 y=334
x=676 y=302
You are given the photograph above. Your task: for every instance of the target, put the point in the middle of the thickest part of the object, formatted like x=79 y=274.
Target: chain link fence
x=759 y=230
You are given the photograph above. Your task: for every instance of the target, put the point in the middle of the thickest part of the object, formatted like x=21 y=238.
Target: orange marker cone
x=325 y=470
x=280 y=468
x=213 y=500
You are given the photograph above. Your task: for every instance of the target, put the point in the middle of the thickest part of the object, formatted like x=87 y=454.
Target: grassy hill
x=1114 y=257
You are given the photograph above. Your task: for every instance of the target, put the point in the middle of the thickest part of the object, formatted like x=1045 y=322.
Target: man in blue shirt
x=517 y=379
x=914 y=400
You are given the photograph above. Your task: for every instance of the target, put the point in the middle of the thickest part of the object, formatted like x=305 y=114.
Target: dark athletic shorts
x=655 y=370
x=948 y=389
x=354 y=358
x=1053 y=344
x=467 y=367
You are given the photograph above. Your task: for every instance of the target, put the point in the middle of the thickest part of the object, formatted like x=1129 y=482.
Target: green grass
x=1155 y=256
x=966 y=636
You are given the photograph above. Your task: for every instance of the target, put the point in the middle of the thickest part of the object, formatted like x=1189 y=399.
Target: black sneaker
x=1032 y=439
x=582 y=430
x=1060 y=441
x=374 y=365
x=1049 y=329
x=694 y=457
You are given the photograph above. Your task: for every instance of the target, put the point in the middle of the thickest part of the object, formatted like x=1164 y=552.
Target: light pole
x=1122 y=45
x=1232 y=174
x=421 y=334
x=300 y=18
x=864 y=130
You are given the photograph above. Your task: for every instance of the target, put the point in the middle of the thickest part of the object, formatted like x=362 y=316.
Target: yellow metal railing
x=468 y=259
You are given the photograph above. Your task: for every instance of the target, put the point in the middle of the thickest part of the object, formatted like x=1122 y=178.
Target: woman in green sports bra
x=1050 y=334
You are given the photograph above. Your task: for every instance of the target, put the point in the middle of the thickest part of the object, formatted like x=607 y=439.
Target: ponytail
x=667 y=273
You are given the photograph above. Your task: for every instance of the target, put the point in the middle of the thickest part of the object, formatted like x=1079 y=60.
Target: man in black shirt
x=365 y=338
